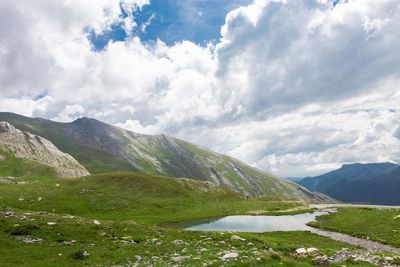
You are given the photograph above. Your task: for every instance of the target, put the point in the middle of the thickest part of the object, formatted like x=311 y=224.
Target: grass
x=380 y=225
x=123 y=196
x=124 y=242
x=12 y=166
x=116 y=218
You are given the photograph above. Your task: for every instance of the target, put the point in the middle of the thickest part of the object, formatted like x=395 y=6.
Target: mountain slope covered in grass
x=373 y=183
x=104 y=148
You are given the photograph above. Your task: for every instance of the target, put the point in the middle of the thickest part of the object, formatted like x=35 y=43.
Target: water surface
x=248 y=223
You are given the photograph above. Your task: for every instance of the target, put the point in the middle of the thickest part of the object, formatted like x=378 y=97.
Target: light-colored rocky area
x=28 y=146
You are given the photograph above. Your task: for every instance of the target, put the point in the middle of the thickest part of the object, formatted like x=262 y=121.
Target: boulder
x=230 y=256
x=180 y=258
x=235 y=237
x=321 y=260
x=301 y=252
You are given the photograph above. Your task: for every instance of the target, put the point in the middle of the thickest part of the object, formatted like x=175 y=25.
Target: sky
x=294 y=87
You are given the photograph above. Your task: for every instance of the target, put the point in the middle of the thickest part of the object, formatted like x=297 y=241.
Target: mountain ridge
x=101 y=147
x=373 y=183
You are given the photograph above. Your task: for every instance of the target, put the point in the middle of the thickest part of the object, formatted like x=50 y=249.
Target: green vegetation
x=12 y=166
x=115 y=219
x=123 y=196
x=382 y=225
x=77 y=242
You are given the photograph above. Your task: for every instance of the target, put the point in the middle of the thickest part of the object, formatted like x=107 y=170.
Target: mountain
x=25 y=145
x=373 y=183
x=379 y=190
x=104 y=148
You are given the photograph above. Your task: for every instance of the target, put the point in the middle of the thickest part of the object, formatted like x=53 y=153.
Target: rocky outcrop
x=28 y=146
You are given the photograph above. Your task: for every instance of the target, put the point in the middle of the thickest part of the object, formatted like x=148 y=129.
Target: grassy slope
x=12 y=166
x=129 y=207
x=376 y=224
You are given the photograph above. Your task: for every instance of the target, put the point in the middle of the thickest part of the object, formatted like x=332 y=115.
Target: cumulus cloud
x=276 y=55
x=296 y=87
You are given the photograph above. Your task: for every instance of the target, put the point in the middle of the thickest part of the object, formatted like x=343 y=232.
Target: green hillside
x=104 y=148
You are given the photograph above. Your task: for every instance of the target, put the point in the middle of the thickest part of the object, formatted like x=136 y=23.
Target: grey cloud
x=287 y=64
x=397 y=133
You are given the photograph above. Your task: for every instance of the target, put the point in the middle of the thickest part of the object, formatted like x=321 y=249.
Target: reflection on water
x=247 y=223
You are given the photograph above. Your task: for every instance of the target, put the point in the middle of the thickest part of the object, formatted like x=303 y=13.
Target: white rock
x=51 y=223
x=96 y=222
x=312 y=251
x=180 y=258
x=235 y=237
x=230 y=256
x=301 y=252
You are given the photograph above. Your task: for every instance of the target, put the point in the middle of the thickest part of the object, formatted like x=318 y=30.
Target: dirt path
x=368 y=244
x=325 y=206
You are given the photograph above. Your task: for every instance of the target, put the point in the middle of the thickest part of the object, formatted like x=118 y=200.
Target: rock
x=177 y=242
x=301 y=252
x=389 y=259
x=29 y=240
x=39 y=198
x=29 y=146
x=396 y=217
x=321 y=260
x=85 y=254
x=180 y=258
x=9 y=214
x=230 y=256
x=96 y=222
x=312 y=251
x=235 y=237
x=51 y=223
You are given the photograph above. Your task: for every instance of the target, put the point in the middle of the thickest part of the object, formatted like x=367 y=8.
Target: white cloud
x=296 y=87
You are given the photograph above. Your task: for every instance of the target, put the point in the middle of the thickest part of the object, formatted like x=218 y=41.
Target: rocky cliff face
x=28 y=146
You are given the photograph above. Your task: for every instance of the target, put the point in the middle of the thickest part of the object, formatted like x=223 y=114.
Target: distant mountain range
x=373 y=183
x=100 y=148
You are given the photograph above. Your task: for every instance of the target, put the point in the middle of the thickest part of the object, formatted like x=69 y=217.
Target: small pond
x=248 y=223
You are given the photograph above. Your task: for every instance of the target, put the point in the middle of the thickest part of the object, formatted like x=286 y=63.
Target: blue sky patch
x=172 y=21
